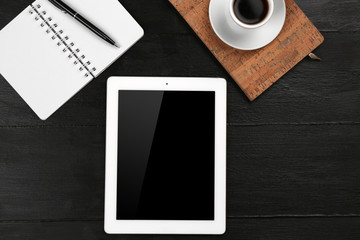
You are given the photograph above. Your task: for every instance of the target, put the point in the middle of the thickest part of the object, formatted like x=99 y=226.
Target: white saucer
x=243 y=38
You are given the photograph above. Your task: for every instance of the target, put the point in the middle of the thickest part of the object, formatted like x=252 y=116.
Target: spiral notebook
x=47 y=56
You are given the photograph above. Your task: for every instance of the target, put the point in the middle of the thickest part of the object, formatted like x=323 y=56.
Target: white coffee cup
x=232 y=18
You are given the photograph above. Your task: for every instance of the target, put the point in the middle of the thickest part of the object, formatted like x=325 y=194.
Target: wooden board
x=58 y=172
x=238 y=228
x=255 y=71
x=293 y=155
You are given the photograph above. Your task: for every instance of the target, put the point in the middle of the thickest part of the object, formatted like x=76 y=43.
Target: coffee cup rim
x=251 y=26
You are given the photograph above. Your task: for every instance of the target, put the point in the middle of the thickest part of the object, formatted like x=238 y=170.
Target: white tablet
x=165 y=155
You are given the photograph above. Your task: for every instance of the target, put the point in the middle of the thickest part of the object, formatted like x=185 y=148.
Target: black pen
x=68 y=10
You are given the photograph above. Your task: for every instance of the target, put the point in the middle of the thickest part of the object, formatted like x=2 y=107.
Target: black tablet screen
x=166 y=155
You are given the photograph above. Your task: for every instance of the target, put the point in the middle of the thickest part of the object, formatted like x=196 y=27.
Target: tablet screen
x=166 y=155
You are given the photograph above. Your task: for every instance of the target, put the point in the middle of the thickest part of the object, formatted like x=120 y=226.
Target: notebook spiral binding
x=63 y=40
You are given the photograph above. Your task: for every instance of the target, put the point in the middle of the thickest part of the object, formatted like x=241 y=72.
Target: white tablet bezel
x=114 y=226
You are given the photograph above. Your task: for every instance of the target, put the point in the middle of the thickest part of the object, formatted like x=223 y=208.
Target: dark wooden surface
x=293 y=154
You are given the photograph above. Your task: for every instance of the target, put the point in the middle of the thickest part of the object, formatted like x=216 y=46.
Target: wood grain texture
x=248 y=228
x=255 y=71
x=58 y=172
x=158 y=16
x=312 y=92
x=293 y=154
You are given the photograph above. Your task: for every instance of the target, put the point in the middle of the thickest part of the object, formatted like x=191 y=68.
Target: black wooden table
x=293 y=154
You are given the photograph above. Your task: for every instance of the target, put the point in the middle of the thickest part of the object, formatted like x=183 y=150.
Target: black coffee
x=251 y=11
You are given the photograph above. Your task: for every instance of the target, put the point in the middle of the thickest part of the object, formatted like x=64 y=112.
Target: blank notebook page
x=50 y=59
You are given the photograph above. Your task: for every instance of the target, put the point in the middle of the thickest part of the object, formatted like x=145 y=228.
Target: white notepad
x=48 y=67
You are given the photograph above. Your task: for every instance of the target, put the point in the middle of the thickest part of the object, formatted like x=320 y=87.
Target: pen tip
x=116 y=45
